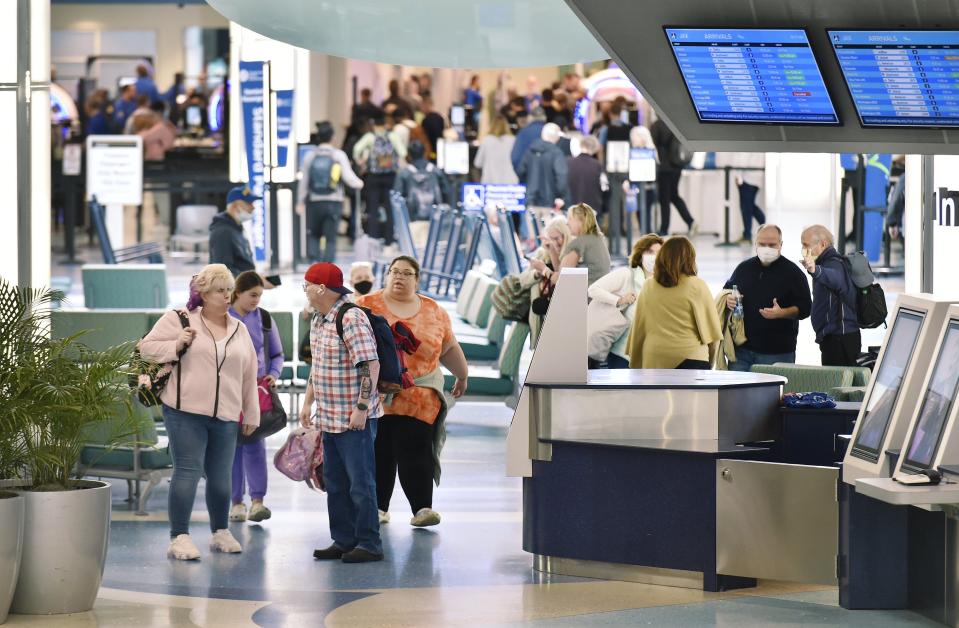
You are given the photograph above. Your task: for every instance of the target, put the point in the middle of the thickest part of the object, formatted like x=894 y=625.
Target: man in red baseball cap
x=342 y=381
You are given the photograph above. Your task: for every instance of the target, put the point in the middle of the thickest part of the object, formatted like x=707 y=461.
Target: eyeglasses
x=406 y=274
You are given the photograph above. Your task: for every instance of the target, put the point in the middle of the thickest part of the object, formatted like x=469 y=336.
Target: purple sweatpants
x=249 y=465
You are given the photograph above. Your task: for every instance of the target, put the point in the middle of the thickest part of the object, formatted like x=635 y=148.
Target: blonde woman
x=546 y=263
x=493 y=156
x=213 y=385
x=588 y=248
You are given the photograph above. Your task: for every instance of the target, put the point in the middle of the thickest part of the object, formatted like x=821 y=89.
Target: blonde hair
x=500 y=126
x=588 y=215
x=559 y=224
x=213 y=277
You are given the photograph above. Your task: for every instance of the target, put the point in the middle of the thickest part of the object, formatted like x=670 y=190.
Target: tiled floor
x=468 y=571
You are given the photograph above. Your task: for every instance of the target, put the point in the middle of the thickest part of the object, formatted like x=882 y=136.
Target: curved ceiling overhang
x=431 y=33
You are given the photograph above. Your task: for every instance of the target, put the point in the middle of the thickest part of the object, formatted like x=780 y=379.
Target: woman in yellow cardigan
x=676 y=325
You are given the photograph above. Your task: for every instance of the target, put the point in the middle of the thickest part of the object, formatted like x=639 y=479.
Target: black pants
x=379 y=215
x=749 y=209
x=694 y=365
x=667 y=187
x=404 y=444
x=840 y=350
x=322 y=222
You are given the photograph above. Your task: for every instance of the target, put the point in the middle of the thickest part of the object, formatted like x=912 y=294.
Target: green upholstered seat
x=848 y=393
x=801 y=378
x=499 y=381
x=860 y=374
x=481 y=304
x=487 y=348
x=132 y=286
x=464 y=298
x=101 y=328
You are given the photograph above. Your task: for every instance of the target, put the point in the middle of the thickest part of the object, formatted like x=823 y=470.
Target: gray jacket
x=347 y=176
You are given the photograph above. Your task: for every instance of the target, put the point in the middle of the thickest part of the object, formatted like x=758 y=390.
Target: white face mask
x=767 y=254
x=649 y=261
x=246 y=216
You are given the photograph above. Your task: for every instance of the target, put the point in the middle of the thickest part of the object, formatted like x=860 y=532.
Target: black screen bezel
x=868 y=453
x=849 y=90
x=812 y=49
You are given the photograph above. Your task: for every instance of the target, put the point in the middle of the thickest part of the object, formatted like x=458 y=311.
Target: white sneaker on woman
x=384 y=516
x=238 y=512
x=425 y=517
x=223 y=541
x=183 y=548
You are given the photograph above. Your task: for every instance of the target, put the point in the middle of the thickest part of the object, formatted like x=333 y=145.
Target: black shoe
x=360 y=555
x=330 y=553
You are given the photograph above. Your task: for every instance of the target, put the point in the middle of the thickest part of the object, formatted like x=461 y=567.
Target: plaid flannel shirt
x=334 y=375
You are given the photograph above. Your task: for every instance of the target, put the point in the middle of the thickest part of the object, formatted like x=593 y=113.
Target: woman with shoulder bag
x=545 y=264
x=249 y=463
x=202 y=404
x=612 y=305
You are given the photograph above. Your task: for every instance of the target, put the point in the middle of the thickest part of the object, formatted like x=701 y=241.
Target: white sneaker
x=425 y=517
x=694 y=229
x=238 y=512
x=259 y=512
x=384 y=516
x=183 y=548
x=223 y=541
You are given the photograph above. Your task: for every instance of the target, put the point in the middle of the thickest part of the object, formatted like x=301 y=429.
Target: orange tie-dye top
x=433 y=328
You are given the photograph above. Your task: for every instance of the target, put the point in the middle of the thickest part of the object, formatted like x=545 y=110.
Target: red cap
x=329 y=275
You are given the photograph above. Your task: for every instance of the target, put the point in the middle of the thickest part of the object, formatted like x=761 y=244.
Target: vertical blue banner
x=251 y=98
x=284 y=124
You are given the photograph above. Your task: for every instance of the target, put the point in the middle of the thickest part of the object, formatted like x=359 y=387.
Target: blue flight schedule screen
x=901 y=78
x=752 y=75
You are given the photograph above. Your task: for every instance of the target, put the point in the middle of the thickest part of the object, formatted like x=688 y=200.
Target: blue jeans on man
x=745 y=358
x=349 y=472
x=200 y=445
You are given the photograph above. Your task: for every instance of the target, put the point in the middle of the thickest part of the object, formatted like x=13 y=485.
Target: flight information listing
x=901 y=78
x=752 y=75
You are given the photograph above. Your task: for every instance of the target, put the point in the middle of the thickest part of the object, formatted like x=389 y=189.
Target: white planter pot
x=64 y=549
x=11 y=546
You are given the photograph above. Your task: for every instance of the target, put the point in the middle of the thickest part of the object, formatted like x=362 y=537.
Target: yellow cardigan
x=673 y=325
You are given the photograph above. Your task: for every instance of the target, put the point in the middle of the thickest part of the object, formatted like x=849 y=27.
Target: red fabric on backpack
x=406 y=343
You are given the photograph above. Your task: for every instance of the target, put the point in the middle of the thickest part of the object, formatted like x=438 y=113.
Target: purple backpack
x=301 y=457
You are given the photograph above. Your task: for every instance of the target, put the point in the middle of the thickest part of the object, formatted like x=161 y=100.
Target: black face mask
x=363 y=287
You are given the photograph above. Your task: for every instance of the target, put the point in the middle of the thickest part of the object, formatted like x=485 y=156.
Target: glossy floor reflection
x=468 y=571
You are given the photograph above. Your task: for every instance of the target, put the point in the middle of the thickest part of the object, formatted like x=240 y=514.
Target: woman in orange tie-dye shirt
x=404 y=439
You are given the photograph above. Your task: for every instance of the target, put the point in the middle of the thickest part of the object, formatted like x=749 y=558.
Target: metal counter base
x=617 y=571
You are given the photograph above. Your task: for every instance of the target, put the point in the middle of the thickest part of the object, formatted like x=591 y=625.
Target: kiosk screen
x=901 y=78
x=752 y=75
x=885 y=390
x=943 y=388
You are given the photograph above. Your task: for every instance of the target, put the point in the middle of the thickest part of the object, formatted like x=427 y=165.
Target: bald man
x=833 y=299
x=775 y=297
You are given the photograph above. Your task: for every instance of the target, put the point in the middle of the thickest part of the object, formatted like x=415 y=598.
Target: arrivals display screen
x=885 y=390
x=936 y=404
x=752 y=75
x=901 y=78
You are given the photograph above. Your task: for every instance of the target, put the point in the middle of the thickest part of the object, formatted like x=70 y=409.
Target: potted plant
x=52 y=392
x=11 y=515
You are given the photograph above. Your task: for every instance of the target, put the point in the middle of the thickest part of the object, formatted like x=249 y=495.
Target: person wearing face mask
x=361 y=277
x=228 y=244
x=834 y=317
x=620 y=289
x=775 y=297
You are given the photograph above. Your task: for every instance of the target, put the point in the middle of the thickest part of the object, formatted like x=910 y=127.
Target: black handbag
x=273 y=420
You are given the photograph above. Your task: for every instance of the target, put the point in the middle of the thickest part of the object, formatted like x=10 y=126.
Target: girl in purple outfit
x=249 y=463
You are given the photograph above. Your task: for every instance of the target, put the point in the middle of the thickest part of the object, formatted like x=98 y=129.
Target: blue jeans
x=349 y=472
x=746 y=358
x=200 y=445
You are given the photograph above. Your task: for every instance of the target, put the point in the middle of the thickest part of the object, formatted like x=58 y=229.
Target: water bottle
x=738 y=310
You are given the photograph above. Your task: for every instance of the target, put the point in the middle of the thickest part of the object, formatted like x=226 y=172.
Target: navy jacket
x=833 y=297
x=526 y=137
x=228 y=245
x=783 y=281
x=545 y=173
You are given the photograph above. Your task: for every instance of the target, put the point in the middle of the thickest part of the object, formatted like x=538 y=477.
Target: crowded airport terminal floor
x=547 y=313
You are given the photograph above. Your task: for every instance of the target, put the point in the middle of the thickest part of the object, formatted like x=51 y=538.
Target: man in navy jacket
x=834 y=316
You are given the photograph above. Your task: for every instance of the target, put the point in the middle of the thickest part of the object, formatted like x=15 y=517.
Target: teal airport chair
x=488 y=347
x=501 y=380
x=132 y=286
x=805 y=378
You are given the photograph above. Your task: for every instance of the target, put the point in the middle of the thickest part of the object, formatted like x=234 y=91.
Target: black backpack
x=679 y=155
x=156 y=374
x=871 y=308
x=391 y=370
x=321 y=173
x=424 y=192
